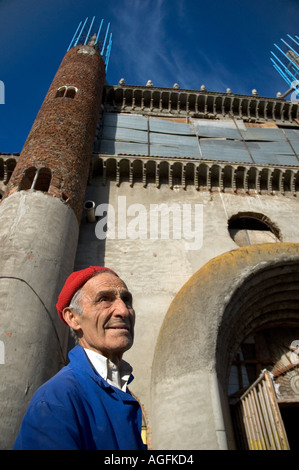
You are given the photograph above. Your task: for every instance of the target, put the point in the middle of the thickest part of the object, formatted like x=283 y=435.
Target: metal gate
x=259 y=425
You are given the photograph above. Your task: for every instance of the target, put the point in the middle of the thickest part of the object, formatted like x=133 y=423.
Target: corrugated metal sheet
x=172 y=139
x=269 y=153
x=124 y=134
x=220 y=132
x=226 y=150
x=129 y=121
x=270 y=147
x=174 y=151
x=112 y=147
x=263 y=134
x=275 y=159
x=168 y=127
x=165 y=151
x=232 y=134
x=210 y=140
x=293 y=136
x=221 y=129
x=295 y=146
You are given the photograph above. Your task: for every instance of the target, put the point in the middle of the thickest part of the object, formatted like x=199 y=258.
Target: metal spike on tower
x=286 y=63
x=87 y=33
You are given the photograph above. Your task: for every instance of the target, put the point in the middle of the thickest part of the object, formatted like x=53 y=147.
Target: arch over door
x=199 y=339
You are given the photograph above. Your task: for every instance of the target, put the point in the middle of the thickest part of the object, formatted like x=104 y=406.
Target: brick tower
x=40 y=214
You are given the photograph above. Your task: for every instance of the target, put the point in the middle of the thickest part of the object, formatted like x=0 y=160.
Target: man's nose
x=120 y=307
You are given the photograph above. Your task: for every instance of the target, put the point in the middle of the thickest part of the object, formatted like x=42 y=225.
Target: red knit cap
x=73 y=283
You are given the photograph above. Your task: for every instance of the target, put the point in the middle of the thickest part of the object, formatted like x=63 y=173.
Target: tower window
x=38 y=180
x=43 y=180
x=66 y=92
x=27 y=179
x=251 y=228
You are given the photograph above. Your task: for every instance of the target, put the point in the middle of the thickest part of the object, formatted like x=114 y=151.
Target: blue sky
x=221 y=44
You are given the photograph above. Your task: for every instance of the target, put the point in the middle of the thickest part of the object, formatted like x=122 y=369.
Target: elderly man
x=87 y=405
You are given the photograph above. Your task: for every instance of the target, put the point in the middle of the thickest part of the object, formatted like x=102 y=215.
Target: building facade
x=192 y=198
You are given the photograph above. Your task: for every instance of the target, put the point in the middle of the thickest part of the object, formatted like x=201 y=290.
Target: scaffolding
x=89 y=34
x=258 y=419
x=286 y=63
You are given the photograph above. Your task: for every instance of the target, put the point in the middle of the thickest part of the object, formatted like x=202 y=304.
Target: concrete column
x=33 y=269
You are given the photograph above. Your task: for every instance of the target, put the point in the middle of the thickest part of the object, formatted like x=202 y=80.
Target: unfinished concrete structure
x=200 y=194
x=40 y=214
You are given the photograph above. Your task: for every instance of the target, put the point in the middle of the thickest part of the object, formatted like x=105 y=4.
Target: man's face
x=108 y=318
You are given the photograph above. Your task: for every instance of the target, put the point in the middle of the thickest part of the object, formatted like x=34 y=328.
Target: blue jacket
x=78 y=409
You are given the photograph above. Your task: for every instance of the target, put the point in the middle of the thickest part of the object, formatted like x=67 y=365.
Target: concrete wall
x=37 y=248
x=155 y=270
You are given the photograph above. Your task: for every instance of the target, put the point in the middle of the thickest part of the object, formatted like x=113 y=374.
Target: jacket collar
x=80 y=362
x=115 y=376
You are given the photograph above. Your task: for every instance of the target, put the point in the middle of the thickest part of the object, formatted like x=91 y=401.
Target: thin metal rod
x=293 y=63
x=247 y=423
x=99 y=31
x=108 y=51
x=286 y=56
x=87 y=36
x=76 y=43
x=285 y=68
x=280 y=71
x=276 y=413
x=286 y=93
x=35 y=179
x=255 y=435
x=271 y=442
x=104 y=45
x=274 y=434
x=108 y=47
x=293 y=39
x=260 y=419
x=259 y=402
x=74 y=35
x=295 y=52
x=257 y=419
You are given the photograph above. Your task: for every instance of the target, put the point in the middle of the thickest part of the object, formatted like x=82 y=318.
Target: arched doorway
x=262 y=334
x=249 y=291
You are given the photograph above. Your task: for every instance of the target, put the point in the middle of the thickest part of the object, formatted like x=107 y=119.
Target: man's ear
x=71 y=318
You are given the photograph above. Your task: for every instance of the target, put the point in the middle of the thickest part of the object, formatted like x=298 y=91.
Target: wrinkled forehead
x=103 y=281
